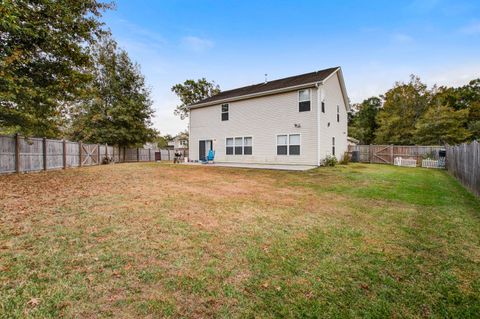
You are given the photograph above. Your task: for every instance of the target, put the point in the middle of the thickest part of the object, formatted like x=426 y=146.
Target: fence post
x=80 y=153
x=124 y=153
x=391 y=153
x=64 y=154
x=138 y=155
x=474 y=147
x=17 y=153
x=370 y=153
x=44 y=153
x=98 y=154
x=149 y=155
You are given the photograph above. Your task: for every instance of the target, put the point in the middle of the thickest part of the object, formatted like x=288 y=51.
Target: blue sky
x=235 y=43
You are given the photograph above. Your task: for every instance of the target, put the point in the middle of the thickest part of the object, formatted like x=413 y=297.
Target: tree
x=192 y=91
x=440 y=125
x=403 y=105
x=119 y=111
x=44 y=60
x=162 y=141
x=467 y=98
x=364 y=124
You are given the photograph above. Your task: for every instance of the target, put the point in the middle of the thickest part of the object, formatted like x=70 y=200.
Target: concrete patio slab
x=258 y=166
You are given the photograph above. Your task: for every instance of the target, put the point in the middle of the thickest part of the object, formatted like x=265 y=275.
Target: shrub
x=346 y=159
x=330 y=161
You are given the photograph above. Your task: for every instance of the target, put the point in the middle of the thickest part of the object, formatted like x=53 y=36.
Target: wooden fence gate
x=382 y=154
x=89 y=155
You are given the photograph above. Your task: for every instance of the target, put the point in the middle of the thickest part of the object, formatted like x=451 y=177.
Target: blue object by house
x=210 y=157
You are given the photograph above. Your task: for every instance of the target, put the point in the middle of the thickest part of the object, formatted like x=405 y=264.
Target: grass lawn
x=158 y=240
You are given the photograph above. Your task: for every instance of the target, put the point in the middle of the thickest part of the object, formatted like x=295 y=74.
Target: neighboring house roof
x=272 y=87
x=352 y=140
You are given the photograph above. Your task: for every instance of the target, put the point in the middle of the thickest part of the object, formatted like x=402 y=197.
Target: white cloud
x=197 y=44
x=473 y=28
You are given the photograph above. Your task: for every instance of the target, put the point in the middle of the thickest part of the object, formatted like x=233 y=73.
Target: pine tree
x=118 y=110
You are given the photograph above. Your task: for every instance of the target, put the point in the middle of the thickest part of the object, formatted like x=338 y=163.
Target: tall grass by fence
x=20 y=154
x=385 y=154
x=463 y=162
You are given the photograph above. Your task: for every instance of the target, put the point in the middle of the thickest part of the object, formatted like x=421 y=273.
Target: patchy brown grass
x=158 y=240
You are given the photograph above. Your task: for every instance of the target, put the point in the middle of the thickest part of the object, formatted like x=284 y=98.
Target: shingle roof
x=306 y=78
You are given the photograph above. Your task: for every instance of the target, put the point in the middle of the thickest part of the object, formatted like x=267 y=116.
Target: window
x=282 y=144
x=247 y=146
x=294 y=144
x=224 y=112
x=288 y=144
x=229 y=150
x=183 y=142
x=239 y=146
x=304 y=100
x=338 y=113
x=333 y=146
x=323 y=107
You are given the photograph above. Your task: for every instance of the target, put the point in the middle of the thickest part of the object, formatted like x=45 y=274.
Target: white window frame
x=235 y=145
x=309 y=95
x=309 y=99
x=288 y=144
x=251 y=137
x=227 y=112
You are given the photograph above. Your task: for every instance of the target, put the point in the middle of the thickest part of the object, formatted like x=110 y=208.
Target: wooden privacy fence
x=463 y=162
x=169 y=154
x=20 y=154
x=385 y=154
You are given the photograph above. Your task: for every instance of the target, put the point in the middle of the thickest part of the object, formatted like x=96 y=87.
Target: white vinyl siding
x=262 y=119
x=329 y=126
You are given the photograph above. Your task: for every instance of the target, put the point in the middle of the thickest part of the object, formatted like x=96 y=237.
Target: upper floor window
x=288 y=144
x=338 y=113
x=323 y=107
x=304 y=100
x=224 y=112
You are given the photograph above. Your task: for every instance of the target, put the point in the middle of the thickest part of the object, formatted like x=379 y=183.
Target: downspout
x=189 y=135
x=319 y=87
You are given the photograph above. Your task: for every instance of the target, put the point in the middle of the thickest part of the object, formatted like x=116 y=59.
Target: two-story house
x=179 y=142
x=295 y=120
